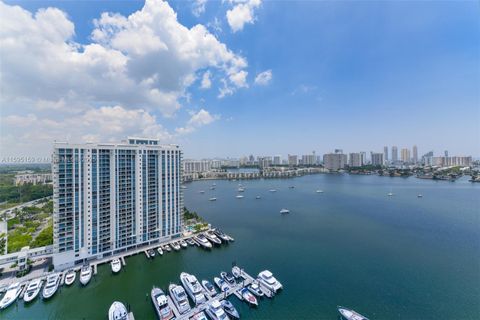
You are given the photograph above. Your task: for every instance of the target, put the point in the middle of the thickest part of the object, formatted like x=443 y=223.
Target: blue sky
x=350 y=75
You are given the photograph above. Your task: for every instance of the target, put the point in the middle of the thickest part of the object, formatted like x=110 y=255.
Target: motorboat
x=199 y=316
x=230 y=238
x=201 y=191
x=202 y=240
x=269 y=281
x=319 y=191
x=236 y=271
x=160 y=251
x=193 y=287
x=273 y=190
x=228 y=277
x=13 y=291
x=179 y=297
x=209 y=288
x=117 y=311
x=190 y=241
x=33 y=289
x=53 y=281
x=257 y=197
x=212 y=199
x=291 y=187
x=241 y=189
x=70 y=277
x=175 y=246
x=221 y=284
x=215 y=311
x=349 y=314
x=116 y=265
x=255 y=289
x=212 y=188
x=284 y=211
x=210 y=235
x=221 y=235
x=167 y=248
x=248 y=296
x=214 y=184
x=85 y=274
x=183 y=244
x=230 y=309
x=160 y=302
x=239 y=196
x=151 y=253
x=420 y=196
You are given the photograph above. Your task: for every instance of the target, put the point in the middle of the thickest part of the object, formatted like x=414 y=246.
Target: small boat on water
x=190 y=241
x=230 y=309
x=199 y=316
x=116 y=265
x=420 y=196
x=236 y=271
x=85 y=274
x=390 y=194
x=215 y=311
x=117 y=311
x=151 y=253
x=221 y=235
x=193 y=287
x=221 y=284
x=349 y=314
x=258 y=197
x=53 y=281
x=273 y=190
x=209 y=288
x=255 y=289
x=70 y=277
x=239 y=196
x=269 y=281
x=319 y=191
x=284 y=211
x=179 y=297
x=212 y=199
x=228 y=277
x=175 y=246
x=291 y=187
x=210 y=235
x=202 y=240
x=160 y=251
x=201 y=191
x=248 y=296
x=13 y=291
x=212 y=188
x=160 y=302
x=183 y=243
x=33 y=289
x=241 y=189
x=167 y=248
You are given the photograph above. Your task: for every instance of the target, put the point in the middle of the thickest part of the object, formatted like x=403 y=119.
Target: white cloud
x=143 y=63
x=206 y=82
x=197 y=120
x=243 y=12
x=263 y=78
x=198 y=7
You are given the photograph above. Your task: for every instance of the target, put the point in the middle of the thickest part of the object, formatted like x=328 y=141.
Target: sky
x=238 y=77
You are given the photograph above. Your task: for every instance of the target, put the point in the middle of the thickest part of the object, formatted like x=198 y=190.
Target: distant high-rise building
x=446 y=153
x=277 y=160
x=385 y=154
x=427 y=159
x=377 y=158
x=309 y=159
x=363 y=157
x=394 y=154
x=414 y=155
x=356 y=159
x=334 y=161
x=292 y=160
x=405 y=154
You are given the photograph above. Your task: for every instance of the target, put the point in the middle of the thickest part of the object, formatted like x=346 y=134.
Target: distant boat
x=319 y=191
x=349 y=314
x=390 y=194
x=70 y=277
x=273 y=190
x=117 y=311
x=212 y=199
x=184 y=187
x=201 y=191
x=212 y=188
x=239 y=196
x=241 y=189
x=420 y=196
x=284 y=211
x=291 y=187
x=257 y=197
x=116 y=265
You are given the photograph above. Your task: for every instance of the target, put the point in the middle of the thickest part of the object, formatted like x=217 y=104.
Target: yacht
x=215 y=311
x=13 y=291
x=201 y=240
x=209 y=288
x=212 y=199
x=284 y=211
x=70 y=277
x=85 y=274
x=248 y=296
x=269 y=281
x=228 y=277
x=190 y=241
x=167 y=248
x=179 y=297
x=221 y=284
x=33 y=290
x=117 y=311
x=210 y=235
x=175 y=246
x=160 y=251
x=53 y=281
x=230 y=309
x=239 y=196
x=116 y=265
x=221 y=235
x=236 y=271
x=160 y=302
x=349 y=314
x=199 y=316
x=319 y=191
x=193 y=287
x=255 y=289
x=183 y=243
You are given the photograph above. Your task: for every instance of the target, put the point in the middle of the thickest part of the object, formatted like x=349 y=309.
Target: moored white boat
x=212 y=237
x=190 y=241
x=175 y=246
x=151 y=253
x=33 y=289
x=70 y=277
x=183 y=243
x=193 y=288
x=202 y=240
x=236 y=271
x=160 y=251
x=248 y=297
x=221 y=284
x=13 y=291
x=228 y=277
x=179 y=297
x=53 y=281
x=349 y=314
x=85 y=274
x=116 y=265
x=255 y=289
x=215 y=311
x=160 y=302
x=117 y=311
x=269 y=281
x=220 y=234
x=209 y=288
x=230 y=309
x=167 y=248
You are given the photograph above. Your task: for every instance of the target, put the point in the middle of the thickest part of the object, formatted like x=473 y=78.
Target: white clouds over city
x=242 y=13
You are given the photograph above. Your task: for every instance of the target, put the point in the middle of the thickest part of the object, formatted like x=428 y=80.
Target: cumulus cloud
x=197 y=120
x=242 y=13
x=198 y=7
x=206 y=82
x=143 y=63
x=263 y=78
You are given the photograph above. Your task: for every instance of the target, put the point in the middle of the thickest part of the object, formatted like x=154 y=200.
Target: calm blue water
x=399 y=257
